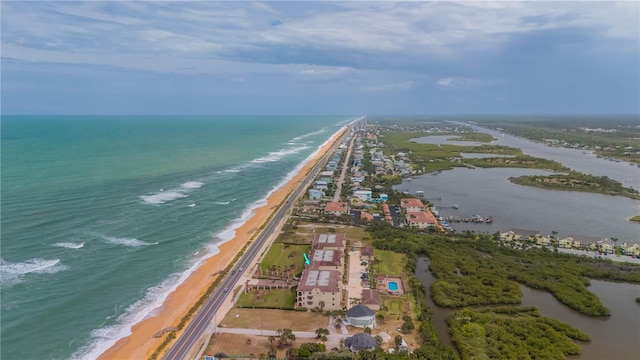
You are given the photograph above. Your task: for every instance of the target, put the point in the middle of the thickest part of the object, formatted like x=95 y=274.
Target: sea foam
x=131 y=242
x=105 y=337
x=13 y=273
x=69 y=245
x=162 y=196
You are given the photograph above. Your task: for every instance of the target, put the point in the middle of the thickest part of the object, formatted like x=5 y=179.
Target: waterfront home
x=336 y=208
x=523 y=234
x=543 y=240
x=412 y=205
x=582 y=242
x=319 y=286
x=361 y=316
x=421 y=219
x=632 y=250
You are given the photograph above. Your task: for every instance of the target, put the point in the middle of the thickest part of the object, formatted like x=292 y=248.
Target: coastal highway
x=198 y=326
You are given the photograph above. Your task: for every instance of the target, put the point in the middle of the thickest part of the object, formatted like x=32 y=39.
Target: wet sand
x=141 y=343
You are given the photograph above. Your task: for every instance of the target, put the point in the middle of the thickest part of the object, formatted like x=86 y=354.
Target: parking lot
x=354 y=287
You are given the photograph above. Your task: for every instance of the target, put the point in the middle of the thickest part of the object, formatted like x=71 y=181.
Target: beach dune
x=141 y=343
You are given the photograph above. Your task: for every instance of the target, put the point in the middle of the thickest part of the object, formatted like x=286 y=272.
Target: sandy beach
x=141 y=343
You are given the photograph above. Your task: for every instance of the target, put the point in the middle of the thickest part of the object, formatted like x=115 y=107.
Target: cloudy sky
x=334 y=57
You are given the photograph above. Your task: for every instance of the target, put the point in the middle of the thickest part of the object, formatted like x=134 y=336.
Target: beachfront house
x=319 y=288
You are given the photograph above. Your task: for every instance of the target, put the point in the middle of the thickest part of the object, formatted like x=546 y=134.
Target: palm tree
x=272 y=339
x=321 y=304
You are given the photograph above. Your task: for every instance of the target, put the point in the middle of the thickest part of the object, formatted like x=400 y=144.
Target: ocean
x=102 y=216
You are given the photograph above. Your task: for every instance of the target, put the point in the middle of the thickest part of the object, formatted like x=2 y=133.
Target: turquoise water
x=102 y=216
x=392 y=285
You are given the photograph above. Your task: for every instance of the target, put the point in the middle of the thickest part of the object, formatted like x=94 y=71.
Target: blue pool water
x=392 y=285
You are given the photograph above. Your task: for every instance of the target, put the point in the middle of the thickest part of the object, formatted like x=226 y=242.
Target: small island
x=576 y=181
x=635 y=219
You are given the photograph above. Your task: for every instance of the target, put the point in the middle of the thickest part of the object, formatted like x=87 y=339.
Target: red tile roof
x=411 y=202
x=421 y=217
x=333 y=206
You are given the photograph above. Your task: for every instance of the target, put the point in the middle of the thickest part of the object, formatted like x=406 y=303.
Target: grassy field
x=240 y=345
x=282 y=257
x=274 y=319
x=274 y=298
x=390 y=263
x=395 y=306
x=309 y=229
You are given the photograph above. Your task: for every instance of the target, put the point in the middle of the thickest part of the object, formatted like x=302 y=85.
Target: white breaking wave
x=12 y=273
x=162 y=196
x=192 y=185
x=104 y=338
x=191 y=205
x=232 y=170
x=317 y=132
x=277 y=155
x=225 y=202
x=131 y=242
x=69 y=245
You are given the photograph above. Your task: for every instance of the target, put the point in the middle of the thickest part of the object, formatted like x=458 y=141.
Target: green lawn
x=274 y=298
x=285 y=257
x=395 y=306
x=390 y=263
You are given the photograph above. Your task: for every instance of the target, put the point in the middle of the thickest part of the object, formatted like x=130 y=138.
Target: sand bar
x=141 y=343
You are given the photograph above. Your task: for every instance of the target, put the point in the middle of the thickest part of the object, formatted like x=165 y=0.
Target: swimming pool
x=392 y=285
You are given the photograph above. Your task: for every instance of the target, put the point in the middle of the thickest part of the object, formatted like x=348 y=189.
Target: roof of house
x=366 y=216
x=361 y=341
x=335 y=206
x=420 y=217
x=584 y=239
x=325 y=257
x=371 y=296
x=324 y=280
x=366 y=251
x=411 y=202
x=525 y=232
x=360 y=311
x=328 y=240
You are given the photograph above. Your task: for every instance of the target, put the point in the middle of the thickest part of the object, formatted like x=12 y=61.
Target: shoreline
x=140 y=343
